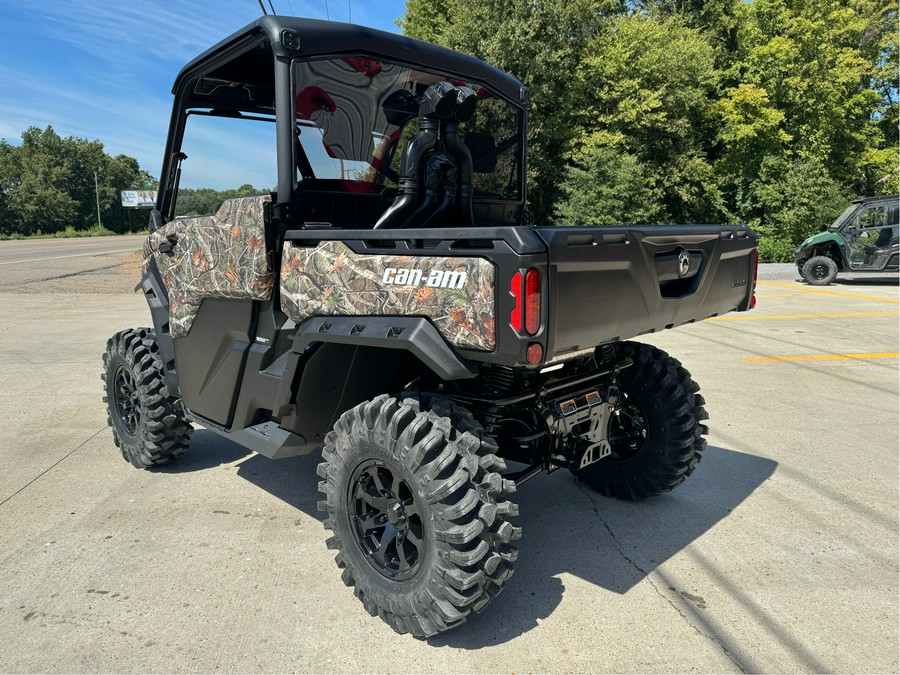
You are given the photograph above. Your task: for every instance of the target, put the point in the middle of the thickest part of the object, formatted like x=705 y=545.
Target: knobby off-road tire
x=418 y=510
x=656 y=433
x=819 y=271
x=148 y=424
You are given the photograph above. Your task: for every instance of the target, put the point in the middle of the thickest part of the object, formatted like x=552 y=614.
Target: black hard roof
x=865 y=200
x=325 y=38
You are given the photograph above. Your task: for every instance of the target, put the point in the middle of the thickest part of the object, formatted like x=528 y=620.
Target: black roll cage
x=286 y=39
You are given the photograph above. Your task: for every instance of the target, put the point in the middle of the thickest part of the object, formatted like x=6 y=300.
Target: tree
x=539 y=43
x=38 y=183
x=48 y=184
x=607 y=187
x=646 y=88
x=203 y=201
x=707 y=109
x=794 y=199
x=802 y=125
x=7 y=181
x=715 y=20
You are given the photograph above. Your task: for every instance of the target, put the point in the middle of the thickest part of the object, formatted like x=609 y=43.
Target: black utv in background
x=389 y=303
x=864 y=238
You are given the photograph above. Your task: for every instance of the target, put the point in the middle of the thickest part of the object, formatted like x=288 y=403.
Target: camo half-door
x=218 y=256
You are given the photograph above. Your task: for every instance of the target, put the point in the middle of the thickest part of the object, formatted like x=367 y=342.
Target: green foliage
x=808 y=75
x=646 y=88
x=793 y=200
x=47 y=185
x=774 y=249
x=770 y=112
x=203 y=201
x=540 y=43
x=68 y=233
x=195 y=202
x=94 y=231
x=607 y=187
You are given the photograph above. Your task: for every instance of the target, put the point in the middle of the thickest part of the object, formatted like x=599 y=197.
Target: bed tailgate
x=611 y=283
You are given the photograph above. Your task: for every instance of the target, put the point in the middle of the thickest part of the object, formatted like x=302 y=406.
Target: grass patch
x=68 y=233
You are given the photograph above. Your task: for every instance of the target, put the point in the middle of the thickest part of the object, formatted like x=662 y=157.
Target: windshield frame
x=844 y=220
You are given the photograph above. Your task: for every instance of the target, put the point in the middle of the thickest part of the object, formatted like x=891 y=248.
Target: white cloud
x=124 y=122
x=104 y=70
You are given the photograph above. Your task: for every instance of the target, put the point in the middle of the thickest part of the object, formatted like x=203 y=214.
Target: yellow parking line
x=779 y=295
x=818 y=290
x=800 y=316
x=823 y=357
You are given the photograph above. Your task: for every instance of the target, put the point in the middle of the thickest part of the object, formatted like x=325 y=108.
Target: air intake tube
x=435 y=168
x=408 y=193
x=447 y=170
x=438 y=102
x=466 y=101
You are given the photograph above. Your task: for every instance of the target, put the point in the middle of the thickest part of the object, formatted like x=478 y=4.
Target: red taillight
x=526 y=314
x=532 y=301
x=755 y=275
x=515 y=317
x=534 y=353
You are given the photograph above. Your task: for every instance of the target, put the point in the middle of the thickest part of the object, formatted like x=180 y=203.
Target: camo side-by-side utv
x=390 y=303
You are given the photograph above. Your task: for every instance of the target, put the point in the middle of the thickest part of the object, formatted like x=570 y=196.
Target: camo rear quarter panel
x=329 y=279
x=218 y=256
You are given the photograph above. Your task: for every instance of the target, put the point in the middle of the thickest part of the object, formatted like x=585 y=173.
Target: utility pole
x=97 y=192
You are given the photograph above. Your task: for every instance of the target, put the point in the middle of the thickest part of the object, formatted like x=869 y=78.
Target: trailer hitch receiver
x=583 y=424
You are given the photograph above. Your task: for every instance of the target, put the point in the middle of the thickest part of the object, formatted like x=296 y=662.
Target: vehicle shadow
x=207 y=450
x=868 y=280
x=567 y=528
x=850 y=279
x=292 y=480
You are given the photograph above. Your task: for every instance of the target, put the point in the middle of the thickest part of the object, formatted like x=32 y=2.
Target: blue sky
x=103 y=69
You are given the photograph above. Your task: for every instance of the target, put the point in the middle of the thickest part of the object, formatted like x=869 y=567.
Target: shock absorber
x=606 y=354
x=499 y=379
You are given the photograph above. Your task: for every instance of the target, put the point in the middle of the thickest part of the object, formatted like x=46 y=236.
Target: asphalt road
x=780 y=553
x=28 y=264
x=24 y=251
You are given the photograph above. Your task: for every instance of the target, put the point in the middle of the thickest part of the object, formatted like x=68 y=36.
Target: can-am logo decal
x=403 y=276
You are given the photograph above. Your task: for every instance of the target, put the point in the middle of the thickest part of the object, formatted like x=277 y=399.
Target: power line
x=349 y=11
x=327 y=15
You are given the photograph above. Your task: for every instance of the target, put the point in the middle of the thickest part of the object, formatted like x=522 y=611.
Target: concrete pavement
x=780 y=554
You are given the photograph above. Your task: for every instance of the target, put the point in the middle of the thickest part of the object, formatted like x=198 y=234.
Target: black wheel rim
x=126 y=399
x=387 y=519
x=819 y=272
x=628 y=431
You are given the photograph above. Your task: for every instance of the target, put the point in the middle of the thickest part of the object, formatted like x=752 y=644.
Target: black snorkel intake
x=448 y=167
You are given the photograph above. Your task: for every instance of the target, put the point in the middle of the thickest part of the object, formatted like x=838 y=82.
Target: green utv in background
x=864 y=238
